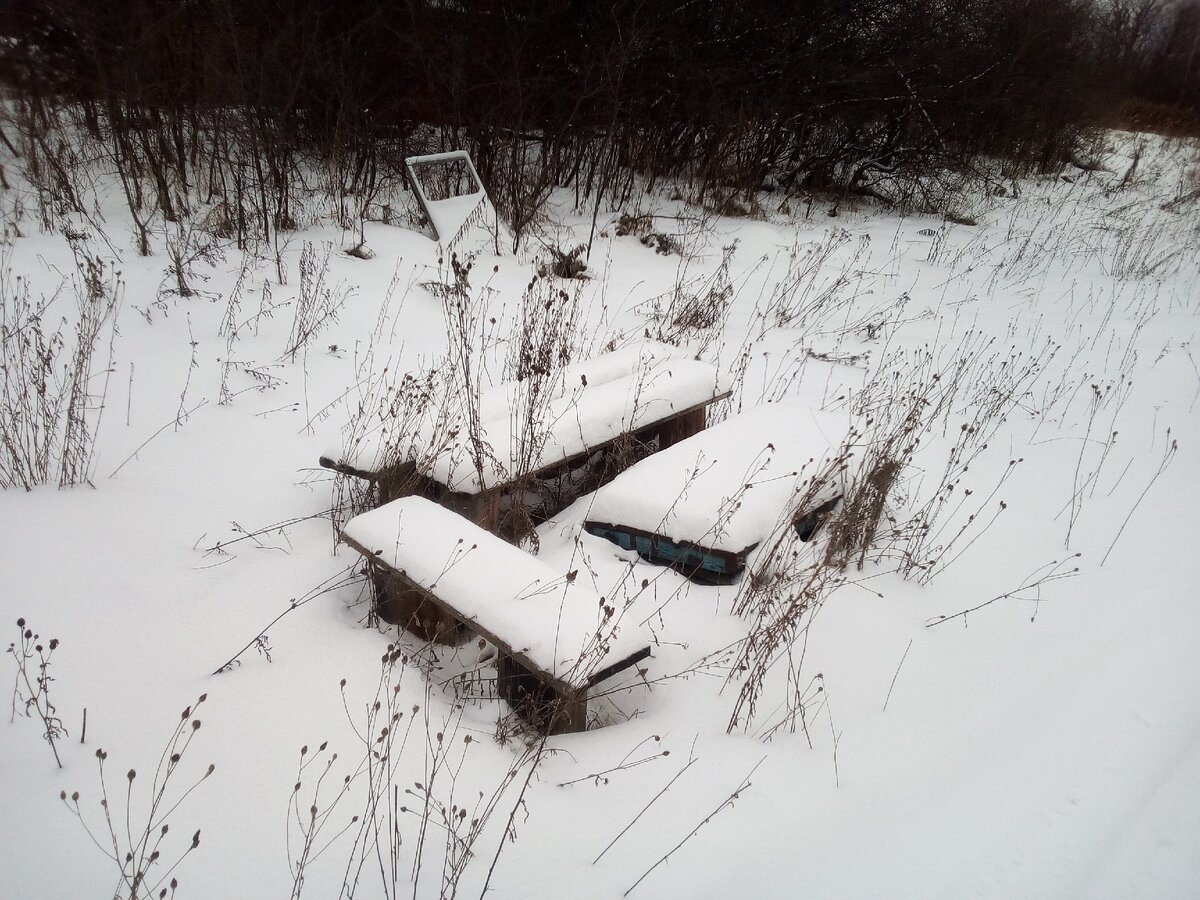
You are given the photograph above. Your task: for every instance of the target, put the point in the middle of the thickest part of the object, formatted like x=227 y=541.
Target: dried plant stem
x=691 y=761
x=1168 y=457
x=1034 y=581
x=727 y=802
x=897 y=675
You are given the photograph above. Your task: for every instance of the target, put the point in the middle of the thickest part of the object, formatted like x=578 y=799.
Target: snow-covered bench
x=649 y=389
x=703 y=504
x=555 y=637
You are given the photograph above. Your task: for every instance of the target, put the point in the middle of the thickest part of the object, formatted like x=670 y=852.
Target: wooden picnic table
x=703 y=504
x=555 y=637
x=648 y=391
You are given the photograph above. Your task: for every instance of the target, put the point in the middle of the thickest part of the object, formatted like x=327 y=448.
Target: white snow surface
x=1045 y=745
x=559 y=624
x=726 y=487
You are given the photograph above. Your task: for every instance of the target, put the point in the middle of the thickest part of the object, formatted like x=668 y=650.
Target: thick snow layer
x=450 y=214
x=726 y=487
x=559 y=624
x=573 y=380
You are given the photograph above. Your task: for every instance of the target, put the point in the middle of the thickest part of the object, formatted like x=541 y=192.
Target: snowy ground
x=1047 y=744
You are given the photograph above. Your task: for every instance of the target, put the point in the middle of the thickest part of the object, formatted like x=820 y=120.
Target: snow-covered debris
x=586 y=405
x=725 y=488
x=559 y=624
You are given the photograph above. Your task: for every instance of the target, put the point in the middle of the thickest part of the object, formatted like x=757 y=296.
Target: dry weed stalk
x=317 y=304
x=780 y=593
x=134 y=839
x=31 y=695
x=396 y=833
x=546 y=338
x=694 y=308
x=49 y=409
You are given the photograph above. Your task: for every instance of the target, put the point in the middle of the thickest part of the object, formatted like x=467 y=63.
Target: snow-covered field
x=1046 y=744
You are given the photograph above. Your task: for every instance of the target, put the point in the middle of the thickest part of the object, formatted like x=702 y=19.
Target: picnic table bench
x=649 y=391
x=555 y=637
x=703 y=504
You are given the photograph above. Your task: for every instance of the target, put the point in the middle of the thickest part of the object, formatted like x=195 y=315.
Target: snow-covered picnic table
x=704 y=503
x=649 y=388
x=544 y=624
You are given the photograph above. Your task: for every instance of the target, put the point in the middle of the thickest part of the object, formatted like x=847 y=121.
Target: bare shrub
x=546 y=338
x=317 y=304
x=186 y=248
x=50 y=409
x=565 y=264
x=694 y=308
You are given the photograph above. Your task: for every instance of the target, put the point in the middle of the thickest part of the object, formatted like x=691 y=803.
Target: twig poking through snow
x=897 y=675
x=1031 y=581
x=728 y=801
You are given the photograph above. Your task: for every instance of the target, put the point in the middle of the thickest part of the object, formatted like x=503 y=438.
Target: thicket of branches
x=203 y=100
x=1153 y=47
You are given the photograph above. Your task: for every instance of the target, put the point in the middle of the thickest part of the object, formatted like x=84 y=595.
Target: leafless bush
x=187 y=247
x=546 y=337
x=57 y=160
x=911 y=400
x=317 y=305
x=565 y=264
x=818 y=281
x=694 y=308
x=49 y=408
x=641 y=225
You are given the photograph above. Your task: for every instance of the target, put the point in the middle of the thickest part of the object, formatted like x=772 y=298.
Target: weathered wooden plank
x=501 y=645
